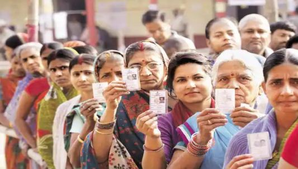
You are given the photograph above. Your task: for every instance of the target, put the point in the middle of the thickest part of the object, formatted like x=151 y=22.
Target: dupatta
x=127 y=147
x=214 y=158
x=46 y=115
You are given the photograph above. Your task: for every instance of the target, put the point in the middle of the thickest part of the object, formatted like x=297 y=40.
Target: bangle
x=196 y=149
x=150 y=150
x=105 y=126
x=10 y=124
x=99 y=132
x=80 y=140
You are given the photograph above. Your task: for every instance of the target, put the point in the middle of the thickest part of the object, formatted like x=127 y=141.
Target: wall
x=198 y=13
x=14 y=12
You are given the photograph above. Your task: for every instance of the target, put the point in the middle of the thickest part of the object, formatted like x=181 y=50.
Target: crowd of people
x=47 y=98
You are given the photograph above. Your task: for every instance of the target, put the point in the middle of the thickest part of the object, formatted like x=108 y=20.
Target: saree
x=125 y=133
x=238 y=145
x=214 y=158
x=59 y=153
x=70 y=123
x=14 y=157
x=46 y=115
x=10 y=111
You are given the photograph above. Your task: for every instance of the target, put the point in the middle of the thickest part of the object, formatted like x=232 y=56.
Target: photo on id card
x=98 y=89
x=259 y=146
x=158 y=101
x=225 y=100
x=131 y=78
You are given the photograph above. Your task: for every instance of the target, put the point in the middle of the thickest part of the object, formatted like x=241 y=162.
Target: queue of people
x=48 y=98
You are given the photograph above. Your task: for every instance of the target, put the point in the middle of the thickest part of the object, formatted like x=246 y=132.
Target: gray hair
x=249 y=60
x=35 y=45
x=254 y=17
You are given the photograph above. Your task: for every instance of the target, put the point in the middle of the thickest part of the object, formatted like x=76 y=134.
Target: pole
x=271 y=10
x=32 y=23
x=220 y=8
x=91 y=21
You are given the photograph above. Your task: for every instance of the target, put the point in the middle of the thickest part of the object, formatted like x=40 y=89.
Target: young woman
x=280 y=87
x=80 y=110
x=60 y=91
x=222 y=34
x=152 y=62
x=189 y=80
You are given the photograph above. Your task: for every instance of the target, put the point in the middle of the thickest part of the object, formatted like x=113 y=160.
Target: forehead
x=145 y=56
x=283 y=31
x=156 y=24
x=283 y=70
x=233 y=66
x=222 y=26
x=28 y=52
x=58 y=62
x=109 y=65
x=189 y=69
x=256 y=24
x=82 y=67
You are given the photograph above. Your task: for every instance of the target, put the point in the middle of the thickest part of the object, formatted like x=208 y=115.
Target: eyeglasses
x=151 y=66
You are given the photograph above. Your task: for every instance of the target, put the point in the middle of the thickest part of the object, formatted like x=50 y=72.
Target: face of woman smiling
x=281 y=87
x=191 y=83
x=234 y=75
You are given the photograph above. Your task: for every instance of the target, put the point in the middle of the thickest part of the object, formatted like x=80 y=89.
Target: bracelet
x=105 y=126
x=80 y=140
x=10 y=124
x=99 y=132
x=196 y=149
x=150 y=150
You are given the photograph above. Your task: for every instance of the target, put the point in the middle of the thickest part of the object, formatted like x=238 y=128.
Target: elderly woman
x=281 y=81
x=115 y=130
x=206 y=134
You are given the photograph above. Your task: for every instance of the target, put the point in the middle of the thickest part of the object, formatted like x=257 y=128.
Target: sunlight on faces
x=280 y=38
x=59 y=72
x=111 y=71
x=82 y=77
x=281 y=87
x=151 y=79
x=159 y=30
x=255 y=36
x=234 y=75
x=223 y=35
x=17 y=68
x=191 y=83
x=31 y=61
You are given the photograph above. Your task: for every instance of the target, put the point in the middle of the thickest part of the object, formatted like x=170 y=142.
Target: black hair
x=285 y=25
x=86 y=50
x=279 y=57
x=182 y=58
x=82 y=58
x=292 y=41
x=64 y=54
x=215 y=20
x=14 y=41
x=51 y=45
x=153 y=15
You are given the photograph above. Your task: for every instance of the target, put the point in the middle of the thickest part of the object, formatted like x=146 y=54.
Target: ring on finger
x=89 y=108
x=209 y=122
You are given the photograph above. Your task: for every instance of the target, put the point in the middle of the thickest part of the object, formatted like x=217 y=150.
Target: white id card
x=131 y=78
x=158 y=101
x=225 y=100
x=98 y=89
x=259 y=146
